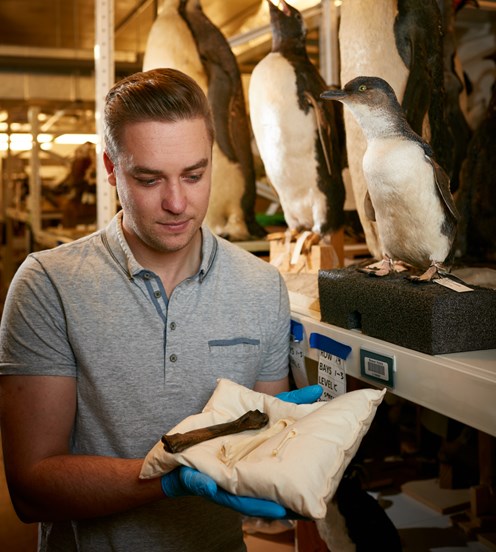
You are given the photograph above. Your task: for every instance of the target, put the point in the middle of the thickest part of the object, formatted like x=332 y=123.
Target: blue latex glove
x=305 y=395
x=185 y=481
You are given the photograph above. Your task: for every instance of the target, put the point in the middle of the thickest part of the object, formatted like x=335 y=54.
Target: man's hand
x=305 y=395
x=185 y=481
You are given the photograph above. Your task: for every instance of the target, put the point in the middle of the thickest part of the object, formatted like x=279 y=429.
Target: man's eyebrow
x=202 y=163
x=199 y=165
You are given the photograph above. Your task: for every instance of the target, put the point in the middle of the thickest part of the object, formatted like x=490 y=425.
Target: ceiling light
x=76 y=139
x=18 y=142
x=44 y=138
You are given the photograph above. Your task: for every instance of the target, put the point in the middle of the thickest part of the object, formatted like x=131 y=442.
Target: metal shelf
x=461 y=386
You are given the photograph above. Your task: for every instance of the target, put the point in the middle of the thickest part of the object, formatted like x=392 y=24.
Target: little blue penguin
x=408 y=193
x=295 y=131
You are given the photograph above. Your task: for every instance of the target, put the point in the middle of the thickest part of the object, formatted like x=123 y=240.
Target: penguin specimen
x=476 y=197
x=408 y=192
x=170 y=44
x=423 y=37
x=184 y=38
x=296 y=133
x=232 y=128
x=356 y=522
x=363 y=23
x=407 y=52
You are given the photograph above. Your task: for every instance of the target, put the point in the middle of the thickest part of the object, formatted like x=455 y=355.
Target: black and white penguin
x=408 y=192
x=171 y=43
x=232 y=127
x=296 y=133
x=356 y=522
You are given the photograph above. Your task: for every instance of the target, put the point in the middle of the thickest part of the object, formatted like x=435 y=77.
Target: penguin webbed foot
x=379 y=269
x=434 y=272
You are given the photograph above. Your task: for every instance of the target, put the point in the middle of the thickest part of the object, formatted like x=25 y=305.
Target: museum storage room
x=248 y=275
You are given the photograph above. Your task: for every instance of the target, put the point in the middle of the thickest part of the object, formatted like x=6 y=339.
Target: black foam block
x=426 y=317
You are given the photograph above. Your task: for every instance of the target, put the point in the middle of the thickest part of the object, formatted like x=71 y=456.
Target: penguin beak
x=333 y=95
x=280 y=5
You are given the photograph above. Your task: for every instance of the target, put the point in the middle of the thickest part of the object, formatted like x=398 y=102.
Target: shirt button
x=147 y=276
x=157 y=294
x=172 y=326
x=173 y=358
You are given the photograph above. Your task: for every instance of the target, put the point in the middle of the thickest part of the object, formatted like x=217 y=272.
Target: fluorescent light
x=75 y=139
x=44 y=138
x=22 y=141
x=18 y=142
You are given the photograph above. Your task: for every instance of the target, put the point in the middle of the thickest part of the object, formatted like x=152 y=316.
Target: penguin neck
x=377 y=123
x=289 y=48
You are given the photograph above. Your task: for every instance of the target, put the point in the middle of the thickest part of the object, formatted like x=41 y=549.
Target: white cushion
x=297 y=460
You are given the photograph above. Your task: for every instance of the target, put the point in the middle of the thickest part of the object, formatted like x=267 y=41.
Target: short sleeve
x=276 y=358
x=33 y=333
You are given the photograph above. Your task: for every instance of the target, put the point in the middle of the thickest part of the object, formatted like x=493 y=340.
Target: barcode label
x=376 y=368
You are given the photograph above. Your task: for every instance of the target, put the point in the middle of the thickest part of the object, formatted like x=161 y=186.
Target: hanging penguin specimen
x=476 y=197
x=184 y=38
x=296 y=133
x=234 y=191
x=455 y=99
x=170 y=44
x=425 y=43
x=408 y=192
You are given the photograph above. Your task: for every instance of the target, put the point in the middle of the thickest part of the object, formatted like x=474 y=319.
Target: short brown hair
x=157 y=95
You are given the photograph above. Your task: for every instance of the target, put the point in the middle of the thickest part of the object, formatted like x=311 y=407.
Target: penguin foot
x=432 y=273
x=380 y=269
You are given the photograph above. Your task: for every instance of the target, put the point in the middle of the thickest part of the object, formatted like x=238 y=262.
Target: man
x=108 y=342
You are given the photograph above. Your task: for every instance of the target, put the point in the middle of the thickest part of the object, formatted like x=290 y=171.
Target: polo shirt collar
x=119 y=249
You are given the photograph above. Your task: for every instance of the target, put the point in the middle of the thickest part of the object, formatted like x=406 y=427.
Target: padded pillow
x=297 y=460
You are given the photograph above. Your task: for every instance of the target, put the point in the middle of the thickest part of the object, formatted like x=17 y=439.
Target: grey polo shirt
x=144 y=361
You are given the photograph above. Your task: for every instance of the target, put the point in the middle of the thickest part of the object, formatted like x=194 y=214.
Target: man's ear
x=109 y=166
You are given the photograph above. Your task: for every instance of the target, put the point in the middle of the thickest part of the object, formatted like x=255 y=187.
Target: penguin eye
x=362 y=87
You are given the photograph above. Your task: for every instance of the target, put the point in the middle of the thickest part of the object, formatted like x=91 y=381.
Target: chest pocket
x=236 y=347
x=237 y=359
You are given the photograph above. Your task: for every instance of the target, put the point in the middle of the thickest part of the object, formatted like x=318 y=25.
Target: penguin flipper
x=323 y=129
x=443 y=185
x=369 y=207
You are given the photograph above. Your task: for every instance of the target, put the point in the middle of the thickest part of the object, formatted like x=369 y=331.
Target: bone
x=177 y=442
x=231 y=453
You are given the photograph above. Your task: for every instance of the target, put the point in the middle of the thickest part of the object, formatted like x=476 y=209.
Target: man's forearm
x=77 y=487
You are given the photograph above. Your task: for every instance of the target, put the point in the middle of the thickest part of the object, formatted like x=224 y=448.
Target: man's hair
x=166 y=95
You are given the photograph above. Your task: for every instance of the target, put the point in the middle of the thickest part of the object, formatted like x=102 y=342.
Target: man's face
x=163 y=180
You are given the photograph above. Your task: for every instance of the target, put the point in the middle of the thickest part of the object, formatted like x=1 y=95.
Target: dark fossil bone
x=177 y=442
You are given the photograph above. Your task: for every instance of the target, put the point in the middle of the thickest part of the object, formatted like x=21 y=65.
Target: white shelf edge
x=461 y=386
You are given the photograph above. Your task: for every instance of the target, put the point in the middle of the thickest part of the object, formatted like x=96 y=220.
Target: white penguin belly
x=408 y=209
x=285 y=138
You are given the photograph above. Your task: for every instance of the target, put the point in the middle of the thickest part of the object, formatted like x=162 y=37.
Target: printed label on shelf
x=297 y=364
x=332 y=365
x=331 y=375
x=377 y=366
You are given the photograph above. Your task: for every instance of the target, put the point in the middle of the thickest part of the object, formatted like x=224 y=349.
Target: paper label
x=452 y=284
x=331 y=375
x=297 y=364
